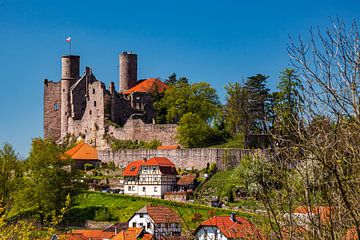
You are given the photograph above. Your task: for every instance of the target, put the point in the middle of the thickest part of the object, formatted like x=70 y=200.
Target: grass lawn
x=122 y=207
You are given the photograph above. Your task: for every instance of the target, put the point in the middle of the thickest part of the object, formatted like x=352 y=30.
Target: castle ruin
x=82 y=106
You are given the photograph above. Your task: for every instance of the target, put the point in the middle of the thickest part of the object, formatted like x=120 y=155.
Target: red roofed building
x=169 y=147
x=82 y=153
x=150 y=178
x=227 y=227
x=160 y=221
x=149 y=85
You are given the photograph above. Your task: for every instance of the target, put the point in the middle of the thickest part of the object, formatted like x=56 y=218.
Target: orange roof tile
x=132 y=169
x=351 y=234
x=147 y=236
x=93 y=234
x=170 y=147
x=128 y=234
x=186 y=179
x=82 y=151
x=322 y=211
x=148 y=86
x=162 y=214
x=158 y=161
x=242 y=228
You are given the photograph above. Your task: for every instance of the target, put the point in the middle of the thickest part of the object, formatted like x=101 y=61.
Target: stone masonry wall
x=136 y=129
x=196 y=158
x=52 y=106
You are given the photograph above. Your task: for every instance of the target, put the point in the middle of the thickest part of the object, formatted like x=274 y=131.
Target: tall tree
x=198 y=98
x=45 y=183
x=173 y=80
x=9 y=171
x=237 y=109
x=256 y=85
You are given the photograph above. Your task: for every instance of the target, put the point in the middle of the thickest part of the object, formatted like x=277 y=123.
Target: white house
x=160 y=221
x=150 y=178
x=226 y=228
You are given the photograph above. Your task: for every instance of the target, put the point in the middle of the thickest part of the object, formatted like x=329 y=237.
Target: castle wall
x=136 y=129
x=196 y=158
x=52 y=106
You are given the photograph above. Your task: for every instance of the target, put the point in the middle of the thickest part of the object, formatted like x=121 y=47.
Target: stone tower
x=128 y=70
x=70 y=70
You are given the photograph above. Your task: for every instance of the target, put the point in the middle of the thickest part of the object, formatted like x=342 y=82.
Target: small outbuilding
x=82 y=154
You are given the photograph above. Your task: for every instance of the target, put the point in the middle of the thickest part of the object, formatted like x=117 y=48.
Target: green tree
x=256 y=85
x=289 y=102
x=193 y=131
x=45 y=183
x=198 y=98
x=173 y=80
x=237 y=109
x=9 y=171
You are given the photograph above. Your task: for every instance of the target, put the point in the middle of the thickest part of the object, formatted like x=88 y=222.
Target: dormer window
x=132 y=168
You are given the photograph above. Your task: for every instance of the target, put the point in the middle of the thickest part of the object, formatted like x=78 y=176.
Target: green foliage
x=117 y=144
x=194 y=131
x=9 y=172
x=234 y=142
x=45 y=184
x=198 y=98
x=104 y=214
x=88 y=166
x=123 y=207
x=172 y=80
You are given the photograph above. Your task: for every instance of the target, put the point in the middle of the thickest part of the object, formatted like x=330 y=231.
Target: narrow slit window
x=56 y=106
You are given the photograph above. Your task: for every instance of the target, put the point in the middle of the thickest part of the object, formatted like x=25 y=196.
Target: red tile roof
x=186 y=179
x=82 y=151
x=165 y=165
x=128 y=234
x=161 y=214
x=158 y=161
x=170 y=147
x=242 y=228
x=148 y=86
x=133 y=168
x=93 y=234
x=322 y=211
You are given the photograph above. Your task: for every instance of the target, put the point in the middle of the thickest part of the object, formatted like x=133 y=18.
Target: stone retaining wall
x=196 y=158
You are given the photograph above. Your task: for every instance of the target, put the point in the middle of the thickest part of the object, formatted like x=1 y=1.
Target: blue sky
x=214 y=41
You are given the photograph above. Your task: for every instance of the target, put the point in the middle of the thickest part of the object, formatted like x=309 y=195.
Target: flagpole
x=70 y=44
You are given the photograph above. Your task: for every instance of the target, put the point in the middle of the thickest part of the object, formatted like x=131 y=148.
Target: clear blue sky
x=214 y=41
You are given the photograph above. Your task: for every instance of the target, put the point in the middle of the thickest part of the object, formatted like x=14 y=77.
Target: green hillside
x=105 y=206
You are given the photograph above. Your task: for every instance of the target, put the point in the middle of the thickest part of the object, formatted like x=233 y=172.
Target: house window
x=141 y=224
x=134 y=224
x=129 y=188
x=94 y=103
x=56 y=106
x=155 y=189
x=154 y=168
x=144 y=188
x=141 y=215
x=133 y=188
x=93 y=90
x=155 y=179
x=148 y=225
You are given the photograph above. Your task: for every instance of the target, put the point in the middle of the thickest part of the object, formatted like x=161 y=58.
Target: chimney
x=233 y=217
x=144 y=159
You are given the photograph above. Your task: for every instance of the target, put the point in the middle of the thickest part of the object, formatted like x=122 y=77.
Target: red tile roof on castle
x=82 y=151
x=165 y=165
x=242 y=228
x=148 y=86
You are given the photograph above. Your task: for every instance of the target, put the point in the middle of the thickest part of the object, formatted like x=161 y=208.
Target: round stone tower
x=70 y=72
x=128 y=70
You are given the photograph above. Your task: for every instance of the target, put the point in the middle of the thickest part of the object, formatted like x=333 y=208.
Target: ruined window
x=90 y=112
x=93 y=90
x=56 y=106
x=63 y=89
x=94 y=103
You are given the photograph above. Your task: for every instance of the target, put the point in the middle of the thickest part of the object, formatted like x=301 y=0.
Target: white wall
x=142 y=221
x=212 y=232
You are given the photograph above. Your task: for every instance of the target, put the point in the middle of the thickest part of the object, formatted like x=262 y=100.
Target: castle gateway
x=80 y=105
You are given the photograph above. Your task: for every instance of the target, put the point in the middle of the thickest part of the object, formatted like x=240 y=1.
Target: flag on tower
x=68 y=39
